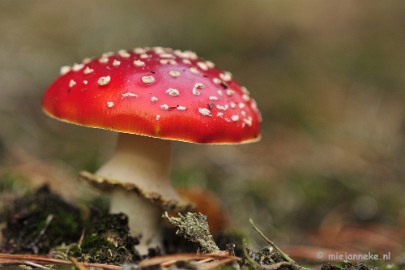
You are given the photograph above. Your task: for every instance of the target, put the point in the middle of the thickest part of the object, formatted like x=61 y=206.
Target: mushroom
x=162 y=95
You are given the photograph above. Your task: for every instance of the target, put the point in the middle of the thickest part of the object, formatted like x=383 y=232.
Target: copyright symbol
x=320 y=255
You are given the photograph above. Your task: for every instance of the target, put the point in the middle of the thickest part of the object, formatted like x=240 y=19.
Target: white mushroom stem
x=145 y=163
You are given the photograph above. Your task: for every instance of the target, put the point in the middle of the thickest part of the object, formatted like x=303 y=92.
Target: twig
x=216 y=264
x=79 y=266
x=79 y=244
x=43 y=230
x=168 y=263
x=280 y=265
x=36 y=265
x=252 y=262
x=285 y=256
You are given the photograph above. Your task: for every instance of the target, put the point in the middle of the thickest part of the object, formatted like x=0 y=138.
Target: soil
x=43 y=223
x=39 y=222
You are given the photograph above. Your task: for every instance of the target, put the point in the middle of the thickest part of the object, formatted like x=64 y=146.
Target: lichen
x=194 y=227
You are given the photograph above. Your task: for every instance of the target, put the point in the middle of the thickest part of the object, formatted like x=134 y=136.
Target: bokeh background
x=329 y=78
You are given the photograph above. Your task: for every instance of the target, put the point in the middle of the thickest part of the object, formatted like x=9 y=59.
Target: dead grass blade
x=29 y=259
x=204 y=259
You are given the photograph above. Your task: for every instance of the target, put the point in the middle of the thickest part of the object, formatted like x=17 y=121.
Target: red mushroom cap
x=155 y=92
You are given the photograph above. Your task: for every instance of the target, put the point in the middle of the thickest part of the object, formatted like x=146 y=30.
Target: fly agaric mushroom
x=163 y=95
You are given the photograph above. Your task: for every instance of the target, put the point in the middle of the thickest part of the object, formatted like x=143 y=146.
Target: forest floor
x=41 y=230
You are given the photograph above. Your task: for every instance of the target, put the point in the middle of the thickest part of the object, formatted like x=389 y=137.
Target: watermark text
x=346 y=256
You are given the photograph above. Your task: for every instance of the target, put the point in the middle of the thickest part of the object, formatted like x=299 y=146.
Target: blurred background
x=329 y=78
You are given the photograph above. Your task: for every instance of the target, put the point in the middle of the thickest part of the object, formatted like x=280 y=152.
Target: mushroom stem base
x=144 y=220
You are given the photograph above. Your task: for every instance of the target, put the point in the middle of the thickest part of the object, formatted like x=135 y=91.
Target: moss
x=43 y=223
x=107 y=240
x=38 y=222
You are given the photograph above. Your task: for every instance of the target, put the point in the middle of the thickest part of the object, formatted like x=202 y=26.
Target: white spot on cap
x=213 y=98
x=72 y=83
x=144 y=56
x=241 y=105
x=181 y=108
x=244 y=90
x=235 y=117
x=164 y=107
x=220 y=92
x=233 y=105
x=110 y=104
x=77 y=67
x=86 y=60
x=154 y=99
x=181 y=54
x=103 y=59
x=157 y=117
x=104 y=80
x=220 y=114
x=172 y=92
x=172 y=62
x=202 y=65
x=186 y=61
x=216 y=80
x=197 y=87
x=222 y=107
x=116 y=63
x=194 y=70
x=226 y=76
x=245 y=97
x=124 y=54
x=139 y=63
x=174 y=73
x=64 y=70
x=253 y=105
x=187 y=54
x=204 y=111
x=158 y=50
x=129 y=94
x=248 y=121
x=85 y=82
x=88 y=70
x=107 y=54
x=230 y=92
x=210 y=64
x=139 y=50
x=164 y=61
x=148 y=79
x=166 y=55
x=191 y=55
